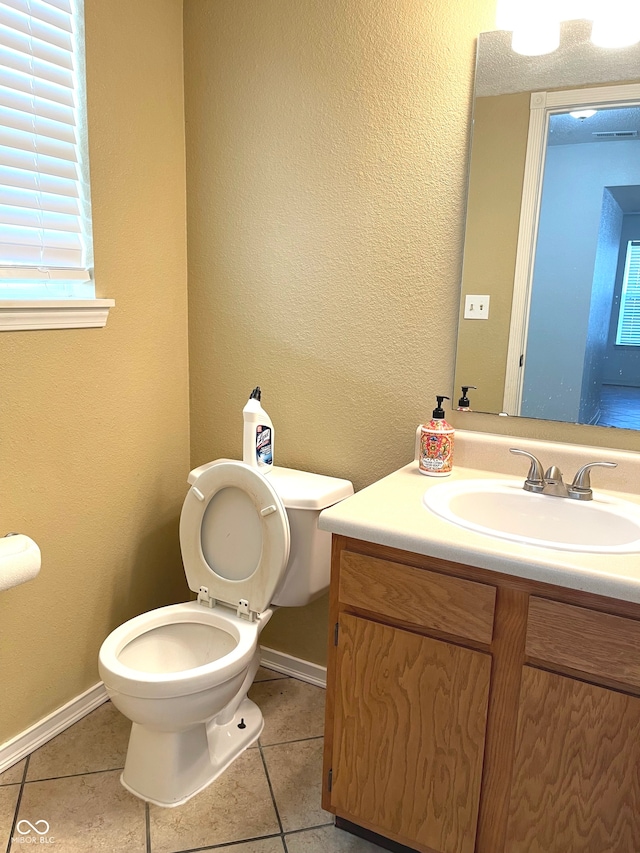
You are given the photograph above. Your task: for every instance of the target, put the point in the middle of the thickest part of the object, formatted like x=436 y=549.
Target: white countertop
x=391 y=512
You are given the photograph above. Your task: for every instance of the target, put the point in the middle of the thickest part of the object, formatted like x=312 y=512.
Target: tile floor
x=268 y=801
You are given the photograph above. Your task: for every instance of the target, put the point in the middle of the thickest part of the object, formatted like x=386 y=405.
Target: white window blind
x=45 y=222
x=629 y=317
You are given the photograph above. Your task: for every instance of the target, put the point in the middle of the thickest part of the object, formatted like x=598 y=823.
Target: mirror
x=553 y=216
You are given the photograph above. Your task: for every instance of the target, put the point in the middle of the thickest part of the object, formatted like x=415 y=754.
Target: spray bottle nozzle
x=256 y=394
x=463 y=402
x=438 y=412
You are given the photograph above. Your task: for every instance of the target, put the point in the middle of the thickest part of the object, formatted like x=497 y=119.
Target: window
x=628 y=333
x=45 y=213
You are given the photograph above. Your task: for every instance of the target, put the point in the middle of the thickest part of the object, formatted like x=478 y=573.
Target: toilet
x=250 y=542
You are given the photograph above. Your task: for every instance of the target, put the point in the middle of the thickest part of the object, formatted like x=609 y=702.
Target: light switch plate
x=476 y=307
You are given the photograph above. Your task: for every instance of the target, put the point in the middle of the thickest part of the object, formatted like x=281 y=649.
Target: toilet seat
x=234 y=537
x=150 y=683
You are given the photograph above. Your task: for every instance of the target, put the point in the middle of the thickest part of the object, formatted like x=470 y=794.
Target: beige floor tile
x=236 y=806
x=263 y=845
x=8 y=800
x=92 y=812
x=328 y=839
x=265 y=674
x=291 y=709
x=97 y=742
x=295 y=771
x=13 y=774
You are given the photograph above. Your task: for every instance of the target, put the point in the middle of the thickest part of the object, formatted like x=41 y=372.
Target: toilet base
x=168 y=768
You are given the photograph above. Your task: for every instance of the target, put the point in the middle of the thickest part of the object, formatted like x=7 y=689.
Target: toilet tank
x=305 y=496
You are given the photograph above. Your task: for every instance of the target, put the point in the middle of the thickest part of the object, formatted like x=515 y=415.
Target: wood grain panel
x=417 y=596
x=576 y=783
x=586 y=641
x=409 y=735
x=508 y=658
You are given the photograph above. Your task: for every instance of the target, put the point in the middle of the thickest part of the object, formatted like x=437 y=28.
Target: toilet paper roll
x=19 y=560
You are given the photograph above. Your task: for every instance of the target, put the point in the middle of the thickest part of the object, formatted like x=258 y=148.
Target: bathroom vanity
x=483 y=696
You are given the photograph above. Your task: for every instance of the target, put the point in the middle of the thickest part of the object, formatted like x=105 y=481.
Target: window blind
x=45 y=233
x=629 y=317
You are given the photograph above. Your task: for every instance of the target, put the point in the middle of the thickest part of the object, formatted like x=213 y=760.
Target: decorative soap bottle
x=436 y=444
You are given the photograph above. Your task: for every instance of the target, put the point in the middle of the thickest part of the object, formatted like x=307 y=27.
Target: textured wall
x=326 y=169
x=94 y=423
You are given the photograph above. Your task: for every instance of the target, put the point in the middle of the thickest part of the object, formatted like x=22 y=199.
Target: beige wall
x=94 y=423
x=326 y=170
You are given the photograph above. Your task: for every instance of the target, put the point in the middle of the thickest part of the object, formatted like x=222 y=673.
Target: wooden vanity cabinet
x=474 y=712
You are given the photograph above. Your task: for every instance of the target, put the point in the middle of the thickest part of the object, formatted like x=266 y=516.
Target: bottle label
x=264 y=454
x=436 y=452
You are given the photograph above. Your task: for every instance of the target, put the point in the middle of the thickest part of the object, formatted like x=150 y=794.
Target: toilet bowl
x=181 y=673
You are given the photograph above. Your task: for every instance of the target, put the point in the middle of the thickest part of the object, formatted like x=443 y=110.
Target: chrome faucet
x=550 y=482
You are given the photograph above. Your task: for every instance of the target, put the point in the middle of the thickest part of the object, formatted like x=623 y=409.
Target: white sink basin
x=502 y=508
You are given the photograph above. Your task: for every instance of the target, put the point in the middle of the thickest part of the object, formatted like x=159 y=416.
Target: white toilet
x=181 y=673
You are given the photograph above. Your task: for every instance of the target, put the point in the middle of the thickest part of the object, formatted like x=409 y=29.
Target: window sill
x=20 y=315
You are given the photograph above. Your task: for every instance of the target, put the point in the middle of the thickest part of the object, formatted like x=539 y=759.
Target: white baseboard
x=26 y=742
x=312 y=673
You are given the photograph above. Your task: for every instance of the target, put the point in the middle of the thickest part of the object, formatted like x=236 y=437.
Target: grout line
x=273 y=799
x=231 y=843
x=279 y=677
x=73 y=775
x=309 y=828
x=147 y=824
x=21 y=780
x=18 y=802
x=297 y=740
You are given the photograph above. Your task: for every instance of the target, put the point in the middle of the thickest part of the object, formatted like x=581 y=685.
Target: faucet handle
x=535 y=477
x=581 y=486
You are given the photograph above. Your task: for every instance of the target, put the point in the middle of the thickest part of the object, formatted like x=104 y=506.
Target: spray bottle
x=436 y=444
x=258 y=435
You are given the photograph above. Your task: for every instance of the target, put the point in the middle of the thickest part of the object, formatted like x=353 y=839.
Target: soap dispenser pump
x=436 y=444
x=463 y=403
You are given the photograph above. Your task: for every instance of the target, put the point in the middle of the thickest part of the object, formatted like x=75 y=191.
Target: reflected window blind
x=629 y=317
x=45 y=233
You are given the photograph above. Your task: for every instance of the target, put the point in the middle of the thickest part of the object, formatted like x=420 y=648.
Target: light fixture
x=536 y=26
x=582 y=114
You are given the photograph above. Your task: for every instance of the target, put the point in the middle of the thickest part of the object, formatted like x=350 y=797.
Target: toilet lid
x=234 y=535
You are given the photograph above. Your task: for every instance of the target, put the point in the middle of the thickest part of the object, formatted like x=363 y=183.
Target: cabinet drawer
x=417 y=596
x=584 y=640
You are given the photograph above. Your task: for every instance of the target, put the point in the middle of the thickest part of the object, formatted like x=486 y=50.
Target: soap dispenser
x=463 y=403
x=436 y=444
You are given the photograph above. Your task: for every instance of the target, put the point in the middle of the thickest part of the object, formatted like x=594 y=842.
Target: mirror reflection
x=553 y=235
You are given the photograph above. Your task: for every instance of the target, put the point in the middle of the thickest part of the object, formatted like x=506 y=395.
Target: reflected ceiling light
x=617 y=24
x=536 y=25
x=536 y=37
x=582 y=114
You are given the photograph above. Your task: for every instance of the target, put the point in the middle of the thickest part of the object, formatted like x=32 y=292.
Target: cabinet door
x=576 y=784
x=409 y=735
